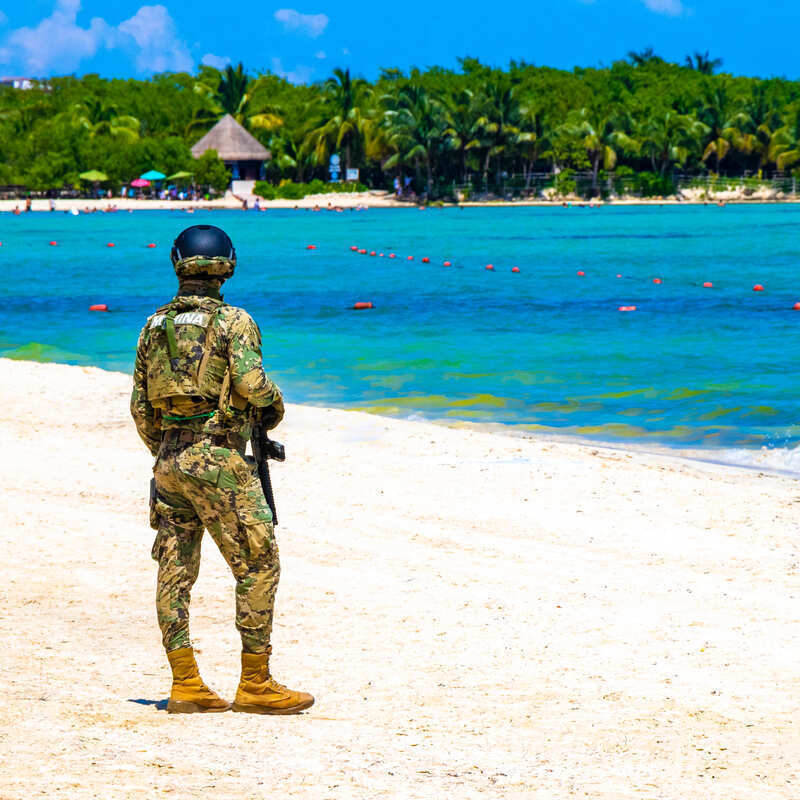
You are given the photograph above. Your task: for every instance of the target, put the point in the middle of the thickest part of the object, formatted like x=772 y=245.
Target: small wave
x=775 y=459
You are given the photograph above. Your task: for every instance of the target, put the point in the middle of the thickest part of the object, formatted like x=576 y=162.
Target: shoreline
x=757 y=459
x=370 y=200
x=477 y=615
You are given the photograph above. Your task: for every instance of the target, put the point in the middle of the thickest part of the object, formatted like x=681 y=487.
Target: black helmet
x=203 y=251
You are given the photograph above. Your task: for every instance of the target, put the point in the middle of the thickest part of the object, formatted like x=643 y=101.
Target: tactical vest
x=188 y=374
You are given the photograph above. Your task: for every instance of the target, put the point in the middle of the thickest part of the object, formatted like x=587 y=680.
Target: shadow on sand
x=161 y=705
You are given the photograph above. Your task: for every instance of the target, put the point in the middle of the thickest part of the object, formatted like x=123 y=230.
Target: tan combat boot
x=259 y=693
x=189 y=694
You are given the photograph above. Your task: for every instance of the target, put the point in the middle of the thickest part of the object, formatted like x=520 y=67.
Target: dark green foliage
x=289 y=190
x=476 y=129
x=232 y=88
x=210 y=172
x=565 y=183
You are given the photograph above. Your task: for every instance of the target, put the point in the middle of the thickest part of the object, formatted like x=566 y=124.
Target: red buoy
x=618 y=275
x=152 y=244
x=410 y=258
x=391 y=255
x=708 y=285
x=656 y=280
x=515 y=269
x=98 y=307
x=446 y=263
x=627 y=308
x=581 y=273
x=426 y=260
x=490 y=267
x=111 y=244
x=796 y=306
x=354 y=248
x=380 y=255
x=372 y=253
x=362 y=306
x=53 y=244
x=311 y=247
x=362 y=251
x=758 y=288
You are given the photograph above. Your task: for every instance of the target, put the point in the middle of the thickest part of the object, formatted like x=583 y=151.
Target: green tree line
x=440 y=127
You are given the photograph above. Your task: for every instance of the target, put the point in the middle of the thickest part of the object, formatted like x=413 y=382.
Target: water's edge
x=782 y=462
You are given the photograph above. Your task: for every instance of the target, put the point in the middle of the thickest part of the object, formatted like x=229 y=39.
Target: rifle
x=265 y=449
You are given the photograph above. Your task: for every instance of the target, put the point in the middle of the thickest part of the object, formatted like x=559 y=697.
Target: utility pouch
x=154 y=518
x=229 y=398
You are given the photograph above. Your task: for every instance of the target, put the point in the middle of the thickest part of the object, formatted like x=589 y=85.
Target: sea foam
x=785 y=460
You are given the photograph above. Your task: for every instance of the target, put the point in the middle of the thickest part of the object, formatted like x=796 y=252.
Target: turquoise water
x=543 y=350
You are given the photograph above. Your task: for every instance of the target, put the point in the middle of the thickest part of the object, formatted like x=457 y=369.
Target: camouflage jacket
x=198 y=366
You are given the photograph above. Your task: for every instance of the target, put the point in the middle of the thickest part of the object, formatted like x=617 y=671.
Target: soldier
x=197 y=382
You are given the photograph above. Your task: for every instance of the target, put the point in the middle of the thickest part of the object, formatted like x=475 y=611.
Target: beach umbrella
x=179 y=175
x=140 y=182
x=153 y=175
x=93 y=175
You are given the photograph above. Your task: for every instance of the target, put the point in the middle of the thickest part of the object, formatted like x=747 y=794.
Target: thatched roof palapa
x=232 y=143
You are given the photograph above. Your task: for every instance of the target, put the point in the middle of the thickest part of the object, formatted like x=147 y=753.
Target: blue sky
x=304 y=42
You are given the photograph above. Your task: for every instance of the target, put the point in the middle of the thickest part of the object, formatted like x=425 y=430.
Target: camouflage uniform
x=197 y=379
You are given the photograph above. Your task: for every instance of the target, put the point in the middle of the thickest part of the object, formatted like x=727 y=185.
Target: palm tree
x=463 y=130
x=532 y=140
x=763 y=121
x=102 y=119
x=342 y=127
x=234 y=94
x=499 y=123
x=785 y=144
x=724 y=122
x=644 y=57
x=231 y=91
x=416 y=125
x=601 y=135
x=666 y=138
x=288 y=142
x=376 y=134
x=703 y=63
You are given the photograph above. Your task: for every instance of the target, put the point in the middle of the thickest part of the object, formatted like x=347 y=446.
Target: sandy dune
x=478 y=616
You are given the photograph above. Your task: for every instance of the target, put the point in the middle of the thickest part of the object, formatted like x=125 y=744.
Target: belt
x=173 y=436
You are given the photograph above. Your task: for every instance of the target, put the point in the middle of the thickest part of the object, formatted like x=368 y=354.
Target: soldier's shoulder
x=235 y=317
x=154 y=318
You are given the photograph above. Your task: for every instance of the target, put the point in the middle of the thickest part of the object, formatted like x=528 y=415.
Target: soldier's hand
x=270 y=420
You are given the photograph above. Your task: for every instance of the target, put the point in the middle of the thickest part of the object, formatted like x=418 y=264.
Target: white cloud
x=345 y=51
x=672 y=8
x=59 y=44
x=312 y=25
x=300 y=74
x=57 y=41
x=3 y=18
x=160 y=49
x=220 y=62
x=320 y=54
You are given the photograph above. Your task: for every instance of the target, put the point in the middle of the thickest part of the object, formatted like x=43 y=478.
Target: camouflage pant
x=206 y=487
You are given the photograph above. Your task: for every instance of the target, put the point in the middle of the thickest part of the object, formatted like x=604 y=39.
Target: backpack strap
x=214 y=308
x=172 y=342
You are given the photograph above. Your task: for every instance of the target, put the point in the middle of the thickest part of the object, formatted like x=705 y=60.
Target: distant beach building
x=18 y=82
x=242 y=153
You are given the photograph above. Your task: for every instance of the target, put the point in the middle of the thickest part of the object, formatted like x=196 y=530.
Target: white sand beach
x=478 y=615
x=371 y=199
x=379 y=199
